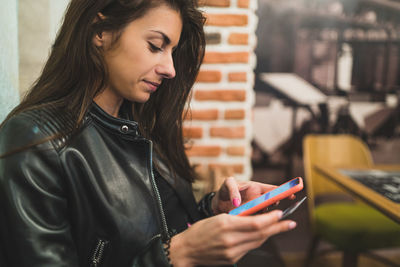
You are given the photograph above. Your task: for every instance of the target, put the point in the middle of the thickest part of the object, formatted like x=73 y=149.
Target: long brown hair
x=75 y=72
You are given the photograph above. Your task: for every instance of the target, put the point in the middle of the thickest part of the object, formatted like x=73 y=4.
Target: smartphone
x=292 y=208
x=283 y=191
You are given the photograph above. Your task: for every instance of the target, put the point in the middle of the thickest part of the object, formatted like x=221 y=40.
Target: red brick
x=209 y=76
x=235 y=150
x=204 y=151
x=237 y=168
x=226 y=19
x=227 y=132
x=193 y=132
x=226 y=57
x=234 y=114
x=237 y=77
x=243 y=3
x=238 y=38
x=215 y=3
x=220 y=95
x=204 y=114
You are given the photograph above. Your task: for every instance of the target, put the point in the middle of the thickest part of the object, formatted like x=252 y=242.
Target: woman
x=81 y=182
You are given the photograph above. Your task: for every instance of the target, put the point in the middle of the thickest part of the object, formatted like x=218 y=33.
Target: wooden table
x=380 y=202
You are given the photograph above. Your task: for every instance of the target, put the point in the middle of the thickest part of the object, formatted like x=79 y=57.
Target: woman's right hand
x=224 y=239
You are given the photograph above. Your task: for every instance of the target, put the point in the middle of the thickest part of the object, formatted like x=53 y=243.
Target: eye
x=155 y=48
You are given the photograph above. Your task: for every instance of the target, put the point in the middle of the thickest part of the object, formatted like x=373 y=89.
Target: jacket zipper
x=157 y=193
x=98 y=253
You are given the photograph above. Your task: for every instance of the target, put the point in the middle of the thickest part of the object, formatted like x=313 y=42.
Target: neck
x=109 y=102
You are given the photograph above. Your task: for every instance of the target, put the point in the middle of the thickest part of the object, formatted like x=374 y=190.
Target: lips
x=152 y=85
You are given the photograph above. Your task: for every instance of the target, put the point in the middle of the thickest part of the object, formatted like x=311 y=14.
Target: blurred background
x=347 y=52
x=324 y=67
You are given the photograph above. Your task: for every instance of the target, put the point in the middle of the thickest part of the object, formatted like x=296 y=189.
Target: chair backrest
x=333 y=150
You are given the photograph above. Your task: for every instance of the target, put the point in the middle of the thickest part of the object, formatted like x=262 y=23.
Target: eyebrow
x=165 y=37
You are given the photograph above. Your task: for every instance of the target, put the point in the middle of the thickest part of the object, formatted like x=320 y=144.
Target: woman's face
x=142 y=57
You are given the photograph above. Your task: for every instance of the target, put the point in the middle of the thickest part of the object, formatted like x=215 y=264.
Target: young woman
x=93 y=170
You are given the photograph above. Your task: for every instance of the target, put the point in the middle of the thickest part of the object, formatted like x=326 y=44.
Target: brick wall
x=220 y=125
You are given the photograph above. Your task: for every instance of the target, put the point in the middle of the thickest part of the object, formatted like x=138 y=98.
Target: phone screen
x=265 y=197
x=292 y=208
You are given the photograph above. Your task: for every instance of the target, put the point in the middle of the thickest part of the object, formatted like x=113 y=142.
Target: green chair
x=346 y=223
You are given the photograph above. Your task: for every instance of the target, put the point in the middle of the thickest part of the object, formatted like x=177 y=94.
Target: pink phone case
x=283 y=191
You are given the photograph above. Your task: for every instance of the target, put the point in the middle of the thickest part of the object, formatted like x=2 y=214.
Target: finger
x=235 y=245
x=246 y=245
x=238 y=243
x=256 y=238
x=237 y=238
x=279 y=227
x=255 y=222
x=233 y=189
x=267 y=187
x=262 y=233
x=243 y=185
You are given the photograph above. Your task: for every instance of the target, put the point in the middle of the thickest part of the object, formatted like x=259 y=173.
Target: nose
x=166 y=67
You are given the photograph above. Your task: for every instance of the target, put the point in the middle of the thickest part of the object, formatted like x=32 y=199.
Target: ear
x=99 y=38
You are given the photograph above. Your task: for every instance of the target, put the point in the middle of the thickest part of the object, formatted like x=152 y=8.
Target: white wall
x=39 y=21
x=8 y=57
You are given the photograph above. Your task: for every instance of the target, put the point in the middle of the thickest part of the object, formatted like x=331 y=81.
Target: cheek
x=131 y=63
x=137 y=63
x=121 y=68
x=145 y=62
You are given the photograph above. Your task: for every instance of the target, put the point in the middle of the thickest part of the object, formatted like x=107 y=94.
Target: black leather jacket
x=86 y=200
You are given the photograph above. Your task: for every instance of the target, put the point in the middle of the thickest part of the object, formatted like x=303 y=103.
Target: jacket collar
x=130 y=127
x=124 y=126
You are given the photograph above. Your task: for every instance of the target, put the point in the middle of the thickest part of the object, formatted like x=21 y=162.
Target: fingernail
x=292 y=225
x=236 y=202
x=188 y=224
x=279 y=214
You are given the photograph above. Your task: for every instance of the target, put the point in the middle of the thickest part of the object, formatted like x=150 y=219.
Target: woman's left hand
x=233 y=193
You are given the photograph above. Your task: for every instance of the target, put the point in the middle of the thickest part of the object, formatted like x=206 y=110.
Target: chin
x=141 y=99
